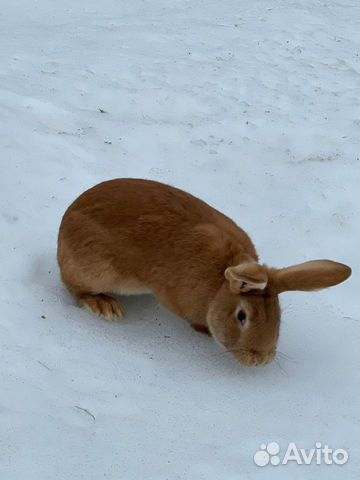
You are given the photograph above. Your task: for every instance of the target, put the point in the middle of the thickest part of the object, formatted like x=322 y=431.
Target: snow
x=252 y=106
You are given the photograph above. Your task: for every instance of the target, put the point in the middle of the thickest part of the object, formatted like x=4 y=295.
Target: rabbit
x=132 y=236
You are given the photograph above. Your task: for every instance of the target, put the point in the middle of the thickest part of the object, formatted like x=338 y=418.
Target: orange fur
x=133 y=236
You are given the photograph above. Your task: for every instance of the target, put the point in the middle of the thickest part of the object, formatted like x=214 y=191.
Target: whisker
x=282 y=370
x=279 y=354
x=284 y=356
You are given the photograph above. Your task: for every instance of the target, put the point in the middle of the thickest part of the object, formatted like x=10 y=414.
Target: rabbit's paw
x=103 y=306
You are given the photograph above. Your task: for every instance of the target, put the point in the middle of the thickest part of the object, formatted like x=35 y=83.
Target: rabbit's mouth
x=252 y=358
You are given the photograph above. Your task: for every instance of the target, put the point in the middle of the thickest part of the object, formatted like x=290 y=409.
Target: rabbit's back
x=132 y=200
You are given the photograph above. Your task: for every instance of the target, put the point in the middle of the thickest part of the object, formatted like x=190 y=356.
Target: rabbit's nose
x=263 y=358
x=254 y=358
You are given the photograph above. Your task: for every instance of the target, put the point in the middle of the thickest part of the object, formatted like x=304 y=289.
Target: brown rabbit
x=130 y=236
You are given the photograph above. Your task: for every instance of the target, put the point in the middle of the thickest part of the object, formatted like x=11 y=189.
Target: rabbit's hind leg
x=102 y=305
x=89 y=282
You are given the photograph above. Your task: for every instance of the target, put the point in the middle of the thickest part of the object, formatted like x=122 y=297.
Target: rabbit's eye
x=241 y=316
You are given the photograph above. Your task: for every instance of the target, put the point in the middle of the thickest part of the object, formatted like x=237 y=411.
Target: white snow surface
x=250 y=105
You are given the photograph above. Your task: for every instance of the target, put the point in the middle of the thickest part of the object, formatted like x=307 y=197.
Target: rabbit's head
x=244 y=316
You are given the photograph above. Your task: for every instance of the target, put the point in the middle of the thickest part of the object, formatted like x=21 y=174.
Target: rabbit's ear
x=246 y=276
x=308 y=276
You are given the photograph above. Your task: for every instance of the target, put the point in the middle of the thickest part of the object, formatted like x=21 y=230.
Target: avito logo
x=270 y=453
